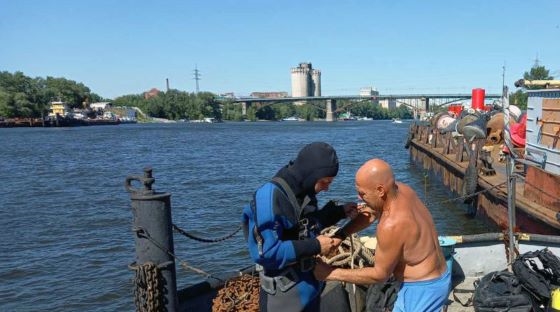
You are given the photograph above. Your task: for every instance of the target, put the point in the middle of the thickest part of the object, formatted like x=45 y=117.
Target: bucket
x=455 y=110
x=447 y=245
x=478 y=99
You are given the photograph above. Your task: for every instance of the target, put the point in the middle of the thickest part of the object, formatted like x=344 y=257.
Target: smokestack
x=167 y=83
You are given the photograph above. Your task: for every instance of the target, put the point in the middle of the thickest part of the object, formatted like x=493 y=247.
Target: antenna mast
x=196 y=77
x=504 y=89
x=536 y=61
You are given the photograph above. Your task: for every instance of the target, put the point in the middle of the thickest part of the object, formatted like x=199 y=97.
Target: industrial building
x=269 y=94
x=306 y=81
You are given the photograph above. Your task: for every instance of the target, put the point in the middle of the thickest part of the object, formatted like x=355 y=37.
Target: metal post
x=510 y=178
x=153 y=235
x=511 y=181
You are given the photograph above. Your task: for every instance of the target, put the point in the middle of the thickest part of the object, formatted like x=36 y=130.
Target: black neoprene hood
x=315 y=161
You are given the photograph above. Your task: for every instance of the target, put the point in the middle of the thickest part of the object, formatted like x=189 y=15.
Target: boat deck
x=461 y=293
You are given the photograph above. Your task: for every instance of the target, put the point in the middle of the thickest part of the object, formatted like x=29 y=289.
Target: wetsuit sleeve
x=275 y=217
x=329 y=215
x=306 y=247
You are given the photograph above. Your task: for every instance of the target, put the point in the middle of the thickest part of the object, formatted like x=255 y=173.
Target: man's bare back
x=420 y=257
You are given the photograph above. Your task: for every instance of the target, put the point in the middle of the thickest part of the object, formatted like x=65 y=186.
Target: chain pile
x=147 y=293
x=350 y=250
x=238 y=294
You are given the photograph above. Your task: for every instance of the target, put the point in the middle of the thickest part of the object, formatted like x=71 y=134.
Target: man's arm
x=388 y=254
x=364 y=218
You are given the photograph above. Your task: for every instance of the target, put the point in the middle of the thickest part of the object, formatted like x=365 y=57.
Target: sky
x=120 y=47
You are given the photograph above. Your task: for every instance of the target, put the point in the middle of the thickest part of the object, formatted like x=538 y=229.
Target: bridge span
x=417 y=102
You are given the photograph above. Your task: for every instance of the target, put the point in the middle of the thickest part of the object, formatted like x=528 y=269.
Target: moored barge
x=474 y=167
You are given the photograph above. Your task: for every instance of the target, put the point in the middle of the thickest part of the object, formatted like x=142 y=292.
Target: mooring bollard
x=156 y=287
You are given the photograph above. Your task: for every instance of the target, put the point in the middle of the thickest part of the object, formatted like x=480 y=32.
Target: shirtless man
x=407 y=242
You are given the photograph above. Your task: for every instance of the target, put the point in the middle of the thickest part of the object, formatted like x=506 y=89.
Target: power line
x=196 y=77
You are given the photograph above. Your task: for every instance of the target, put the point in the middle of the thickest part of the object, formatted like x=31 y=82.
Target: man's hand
x=351 y=210
x=328 y=244
x=322 y=270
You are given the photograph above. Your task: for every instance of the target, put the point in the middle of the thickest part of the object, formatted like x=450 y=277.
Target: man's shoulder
x=405 y=189
x=400 y=222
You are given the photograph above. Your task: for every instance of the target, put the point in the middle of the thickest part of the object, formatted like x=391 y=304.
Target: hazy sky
x=123 y=47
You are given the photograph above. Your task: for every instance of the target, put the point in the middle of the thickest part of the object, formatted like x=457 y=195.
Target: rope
x=469 y=195
x=205 y=240
x=350 y=253
x=144 y=233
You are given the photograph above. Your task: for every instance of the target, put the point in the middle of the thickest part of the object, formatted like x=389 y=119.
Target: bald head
x=373 y=173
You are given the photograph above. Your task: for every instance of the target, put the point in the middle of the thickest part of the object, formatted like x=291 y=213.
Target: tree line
x=23 y=96
x=26 y=97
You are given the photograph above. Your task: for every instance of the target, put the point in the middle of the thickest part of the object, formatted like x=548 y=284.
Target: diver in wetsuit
x=283 y=224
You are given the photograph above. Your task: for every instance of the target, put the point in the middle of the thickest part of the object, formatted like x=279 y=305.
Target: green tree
x=266 y=113
x=519 y=98
x=537 y=73
x=307 y=112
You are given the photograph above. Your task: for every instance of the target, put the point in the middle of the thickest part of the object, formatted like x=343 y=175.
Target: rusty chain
x=238 y=294
x=147 y=293
x=205 y=240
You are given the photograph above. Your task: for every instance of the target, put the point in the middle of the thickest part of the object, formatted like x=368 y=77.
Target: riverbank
x=57 y=122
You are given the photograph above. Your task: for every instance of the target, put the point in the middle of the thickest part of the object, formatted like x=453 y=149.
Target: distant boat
x=205 y=120
x=293 y=118
x=397 y=120
x=347 y=116
x=364 y=118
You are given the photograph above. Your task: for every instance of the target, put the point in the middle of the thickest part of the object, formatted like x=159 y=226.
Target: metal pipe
x=511 y=206
x=153 y=234
x=510 y=177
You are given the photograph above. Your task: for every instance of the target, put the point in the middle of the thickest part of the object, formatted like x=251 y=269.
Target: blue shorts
x=430 y=295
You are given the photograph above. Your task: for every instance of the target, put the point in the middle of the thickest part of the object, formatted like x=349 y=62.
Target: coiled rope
x=351 y=253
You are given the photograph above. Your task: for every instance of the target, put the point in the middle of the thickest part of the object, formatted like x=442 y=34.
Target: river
x=66 y=225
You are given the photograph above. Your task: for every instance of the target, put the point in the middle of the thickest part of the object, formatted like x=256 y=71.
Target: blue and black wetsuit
x=282 y=230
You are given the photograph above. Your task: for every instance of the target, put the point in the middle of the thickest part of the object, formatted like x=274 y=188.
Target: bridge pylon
x=331 y=108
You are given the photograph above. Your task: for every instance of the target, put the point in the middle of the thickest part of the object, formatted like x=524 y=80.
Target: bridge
x=417 y=102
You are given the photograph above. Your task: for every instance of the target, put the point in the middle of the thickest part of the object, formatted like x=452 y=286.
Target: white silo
x=300 y=82
x=316 y=81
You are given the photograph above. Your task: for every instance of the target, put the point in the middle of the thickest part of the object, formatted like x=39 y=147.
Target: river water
x=65 y=218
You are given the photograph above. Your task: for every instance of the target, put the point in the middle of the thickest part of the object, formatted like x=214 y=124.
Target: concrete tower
x=300 y=87
x=316 y=80
x=306 y=81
